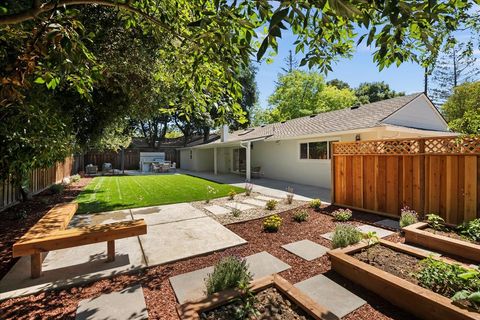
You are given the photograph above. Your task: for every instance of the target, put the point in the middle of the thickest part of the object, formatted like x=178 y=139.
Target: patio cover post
x=215 y=161
x=248 y=168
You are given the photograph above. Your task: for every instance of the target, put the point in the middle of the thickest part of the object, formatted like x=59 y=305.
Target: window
x=316 y=150
x=191 y=154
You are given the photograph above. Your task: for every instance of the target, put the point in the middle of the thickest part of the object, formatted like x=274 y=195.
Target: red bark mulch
x=159 y=296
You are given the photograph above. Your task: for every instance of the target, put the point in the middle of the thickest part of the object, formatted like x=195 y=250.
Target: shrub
x=435 y=221
x=316 y=204
x=229 y=273
x=232 y=194
x=470 y=230
x=345 y=235
x=271 y=204
x=57 y=188
x=75 y=178
x=300 y=216
x=211 y=192
x=272 y=223
x=290 y=195
x=342 y=214
x=20 y=215
x=408 y=217
x=248 y=189
x=236 y=212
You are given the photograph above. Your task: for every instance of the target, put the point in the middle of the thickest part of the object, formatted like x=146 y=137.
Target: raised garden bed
x=419 y=234
x=291 y=303
x=390 y=276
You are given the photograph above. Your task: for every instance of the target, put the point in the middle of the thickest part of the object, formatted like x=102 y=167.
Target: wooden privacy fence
x=430 y=175
x=40 y=179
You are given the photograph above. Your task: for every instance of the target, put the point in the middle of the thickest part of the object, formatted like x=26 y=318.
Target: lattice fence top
x=434 y=145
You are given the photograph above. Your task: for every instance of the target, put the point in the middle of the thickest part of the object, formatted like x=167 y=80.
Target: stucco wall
x=202 y=159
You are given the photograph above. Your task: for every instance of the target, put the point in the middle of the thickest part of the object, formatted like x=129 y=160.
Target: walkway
x=271 y=187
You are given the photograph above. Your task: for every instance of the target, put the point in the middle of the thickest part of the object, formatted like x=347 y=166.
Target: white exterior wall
x=202 y=159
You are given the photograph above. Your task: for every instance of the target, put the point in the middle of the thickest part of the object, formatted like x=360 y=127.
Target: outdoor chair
x=255 y=173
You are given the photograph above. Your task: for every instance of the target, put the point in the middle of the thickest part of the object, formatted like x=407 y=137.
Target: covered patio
x=275 y=188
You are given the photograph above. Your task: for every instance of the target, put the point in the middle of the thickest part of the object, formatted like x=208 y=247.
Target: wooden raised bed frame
x=191 y=310
x=419 y=301
x=415 y=234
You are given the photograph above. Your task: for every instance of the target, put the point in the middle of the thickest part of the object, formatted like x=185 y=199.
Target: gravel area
x=251 y=214
x=159 y=295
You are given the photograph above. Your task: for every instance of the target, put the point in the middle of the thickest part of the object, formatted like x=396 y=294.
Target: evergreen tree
x=291 y=62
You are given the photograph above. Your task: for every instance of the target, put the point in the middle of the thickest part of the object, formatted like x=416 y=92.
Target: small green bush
x=229 y=273
x=57 y=188
x=232 y=194
x=316 y=204
x=408 y=217
x=290 y=195
x=342 y=214
x=435 y=221
x=236 y=212
x=271 y=204
x=75 y=178
x=345 y=235
x=300 y=216
x=272 y=223
x=470 y=230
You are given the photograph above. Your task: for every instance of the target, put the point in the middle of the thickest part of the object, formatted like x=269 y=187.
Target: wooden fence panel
x=430 y=175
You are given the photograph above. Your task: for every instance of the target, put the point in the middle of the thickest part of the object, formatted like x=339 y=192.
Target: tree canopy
x=462 y=109
x=368 y=92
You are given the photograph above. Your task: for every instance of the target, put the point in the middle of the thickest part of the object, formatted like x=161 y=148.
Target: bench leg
x=36 y=265
x=110 y=250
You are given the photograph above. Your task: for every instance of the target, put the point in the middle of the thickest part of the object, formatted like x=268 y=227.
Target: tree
x=246 y=77
x=303 y=93
x=456 y=65
x=291 y=62
x=462 y=109
x=338 y=84
x=368 y=92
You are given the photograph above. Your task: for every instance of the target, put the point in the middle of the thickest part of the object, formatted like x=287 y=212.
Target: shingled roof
x=365 y=116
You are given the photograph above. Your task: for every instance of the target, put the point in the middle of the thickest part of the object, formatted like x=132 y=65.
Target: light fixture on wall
x=357 y=137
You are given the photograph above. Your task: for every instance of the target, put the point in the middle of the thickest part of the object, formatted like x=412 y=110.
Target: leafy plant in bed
x=468 y=231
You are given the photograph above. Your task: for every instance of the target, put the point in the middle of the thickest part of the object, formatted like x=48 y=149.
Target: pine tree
x=456 y=65
x=291 y=62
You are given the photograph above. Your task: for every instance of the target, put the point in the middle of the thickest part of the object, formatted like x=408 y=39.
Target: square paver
x=255 y=202
x=191 y=286
x=389 y=223
x=306 y=249
x=167 y=213
x=331 y=295
x=239 y=206
x=170 y=242
x=328 y=235
x=381 y=233
x=218 y=210
x=128 y=304
x=265 y=198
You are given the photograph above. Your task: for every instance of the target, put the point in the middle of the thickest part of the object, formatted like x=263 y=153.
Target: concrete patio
x=269 y=187
x=175 y=232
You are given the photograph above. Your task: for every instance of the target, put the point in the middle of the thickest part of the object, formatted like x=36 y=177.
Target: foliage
x=339 y=84
x=246 y=309
x=290 y=195
x=300 y=216
x=462 y=109
x=211 y=192
x=272 y=223
x=231 y=194
x=248 y=189
x=435 y=222
x=57 y=188
x=345 y=235
x=20 y=214
x=445 y=278
x=371 y=237
x=271 y=204
x=368 y=92
x=228 y=273
x=470 y=230
x=236 y=212
x=315 y=204
x=75 y=178
x=408 y=217
x=302 y=93
x=342 y=214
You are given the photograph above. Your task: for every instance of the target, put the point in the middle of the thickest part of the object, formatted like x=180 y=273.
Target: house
x=299 y=150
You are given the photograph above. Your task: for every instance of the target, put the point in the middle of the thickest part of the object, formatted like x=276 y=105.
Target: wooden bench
x=51 y=233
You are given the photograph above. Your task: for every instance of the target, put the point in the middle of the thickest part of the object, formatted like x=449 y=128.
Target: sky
x=360 y=68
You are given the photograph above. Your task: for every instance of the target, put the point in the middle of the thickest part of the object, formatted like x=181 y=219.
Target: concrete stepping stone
x=218 y=210
x=331 y=295
x=191 y=286
x=435 y=254
x=381 y=233
x=306 y=249
x=389 y=223
x=255 y=202
x=265 y=198
x=240 y=206
x=167 y=213
x=128 y=304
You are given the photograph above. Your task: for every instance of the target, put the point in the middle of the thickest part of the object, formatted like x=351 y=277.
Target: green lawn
x=122 y=192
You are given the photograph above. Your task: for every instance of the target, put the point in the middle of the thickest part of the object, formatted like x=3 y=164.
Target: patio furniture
x=255 y=172
x=51 y=233
x=91 y=169
x=107 y=168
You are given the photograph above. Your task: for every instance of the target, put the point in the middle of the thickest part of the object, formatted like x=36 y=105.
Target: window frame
x=328 y=141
